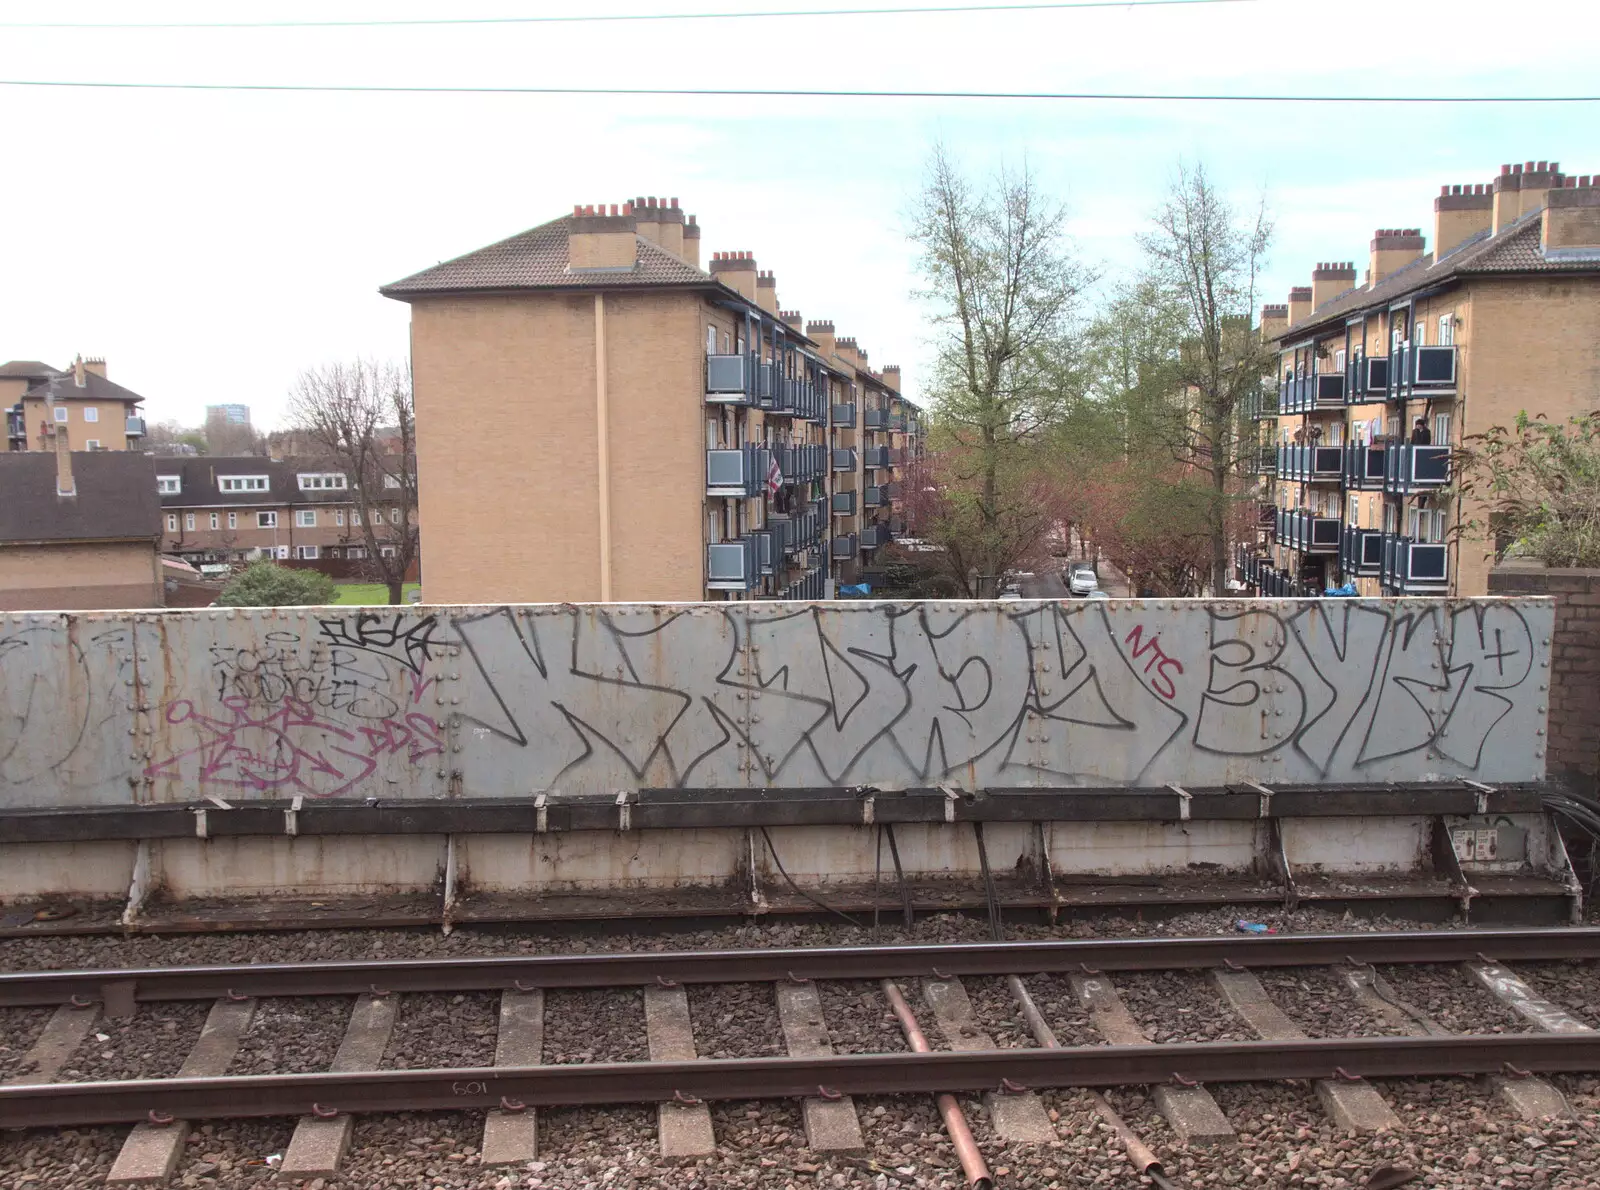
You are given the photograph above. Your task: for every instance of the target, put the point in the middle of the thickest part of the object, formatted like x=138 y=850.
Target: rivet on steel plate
x=159 y=1119
x=687 y=1100
x=1184 y=1082
x=663 y=981
x=512 y=1105
x=323 y=1113
x=1011 y=1088
x=829 y=1093
x=793 y=978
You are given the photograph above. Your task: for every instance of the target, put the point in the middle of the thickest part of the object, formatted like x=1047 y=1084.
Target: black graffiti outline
x=365 y=631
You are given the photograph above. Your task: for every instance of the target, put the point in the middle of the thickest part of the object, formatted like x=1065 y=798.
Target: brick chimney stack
x=691 y=242
x=1299 y=304
x=1521 y=189
x=1329 y=279
x=1274 y=321
x=77 y=371
x=648 y=214
x=891 y=376
x=1459 y=213
x=65 y=484
x=767 y=292
x=1393 y=248
x=599 y=240
x=736 y=270
x=821 y=333
x=95 y=364
x=672 y=227
x=1572 y=216
x=792 y=318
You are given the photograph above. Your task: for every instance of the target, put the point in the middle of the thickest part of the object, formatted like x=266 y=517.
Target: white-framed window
x=1419 y=334
x=267 y=520
x=711 y=340
x=91 y=413
x=307 y=552
x=1438 y=524
x=1447 y=330
x=233 y=520
x=355 y=517
x=355 y=552
x=391 y=481
x=172 y=522
x=1414 y=523
x=169 y=485
x=188 y=522
x=61 y=415
x=216 y=520
x=242 y=483
x=338 y=517
x=282 y=552
x=1355 y=509
x=394 y=516
x=386 y=550
x=1441 y=429
x=725 y=343
x=1338 y=361
x=323 y=481
x=305 y=518
x=91 y=444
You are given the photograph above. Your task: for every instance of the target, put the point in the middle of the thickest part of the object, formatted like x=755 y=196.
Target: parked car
x=1097 y=593
x=1081 y=580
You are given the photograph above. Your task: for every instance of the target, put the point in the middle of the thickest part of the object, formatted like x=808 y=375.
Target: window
x=323 y=481
x=306 y=552
x=394 y=516
x=1338 y=361
x=216 y=520
x=188 y=522
x=711 y=340
x=1447 y=330
x=169 y=485
x=60 y=413
x=1414 y=523
x=242 y=483
x=1355 y=509
x=1419 y=337
x=355 y=517
x=305 y=518
x=233 y=520
x=338 y=517
x=1441 y=429
x=91 y=414
x=356 y=552
x=172 y=522
x=725 y=343
x=391 y=481
x=267 y=520
x=282 y=551
x=386 y=550
x=91 y=444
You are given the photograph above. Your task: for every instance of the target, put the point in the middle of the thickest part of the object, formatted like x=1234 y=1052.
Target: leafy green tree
x=1540 y=482
x=263 y=584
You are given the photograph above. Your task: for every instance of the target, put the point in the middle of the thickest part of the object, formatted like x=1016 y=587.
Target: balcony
x=1361 y=552
x=844 y=458
x=1306 y=531
x=1308 y=394
x=875 y=456
x=1363 y=468
x=1414 y=567
x=810 y=586
x=846 y=545
x=803 y=461
x=875 y=419
x=1311 y=464
x=1262 y=406
x=1266 y=516
x=16 y=424
x=730 y=380
x=876 y=496
x=135 y=427
x=1278 y=584
x=733 y=565
x=844 y=416
x=738 y=473
x=873 y=536
x=1425 y=371
x=1408 y=469
x=1366 y=379
x=844 y=504
x=797 y=532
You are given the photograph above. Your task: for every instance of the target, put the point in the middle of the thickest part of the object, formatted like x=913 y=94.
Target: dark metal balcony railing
x=738 y=472
x=135 y=427
x=1414 y=567
x=844 y=458
x=1425 y=370
x=1366 y=379
x=1303 y=530
x=733 y=565
x=1277 y=584
x=844 y=504
x=1311 y=464
x=1305 y=394
x=1261 y=406
x=875 y=419
x=845 y=545
x=1266 y=516
x=810 y=586
x=1363 y=468
x=730 y=379
x=875 y=456
x=803 y=461
x=1361 y=552
x=873 y=536
x=1409 y=469
x=844 y=416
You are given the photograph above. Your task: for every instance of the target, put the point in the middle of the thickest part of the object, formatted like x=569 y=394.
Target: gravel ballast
x=438 y=1030
x=19 y=1029
x=1448 y=996
x=594 y=1025
x=150 y=1044
x=735 y=1020
x=1173 y=1006
x=293 y=1036
x=859 y=1018
x=1321 y=1003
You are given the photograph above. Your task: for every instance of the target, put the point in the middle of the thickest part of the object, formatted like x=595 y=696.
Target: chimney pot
x=674 y=204
x=691 y=218
x=1543 y=165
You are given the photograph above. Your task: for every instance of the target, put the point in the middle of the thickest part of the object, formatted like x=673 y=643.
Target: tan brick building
x=239 y=508
x=1381 y=382
x=78 y=530
x=619 y=423
x=94 y=412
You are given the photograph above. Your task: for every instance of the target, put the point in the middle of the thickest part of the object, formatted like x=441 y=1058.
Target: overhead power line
x=593 y=18
x=796 y=93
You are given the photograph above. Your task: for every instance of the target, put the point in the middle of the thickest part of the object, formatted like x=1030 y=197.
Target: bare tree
x=1002 y=286
x=359 y=416
x=1205 y=258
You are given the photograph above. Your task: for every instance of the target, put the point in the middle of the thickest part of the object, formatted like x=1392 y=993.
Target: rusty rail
x=72 y=1104
x=32 y=988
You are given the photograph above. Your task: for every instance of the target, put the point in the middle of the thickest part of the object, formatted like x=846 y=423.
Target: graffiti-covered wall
x=514 y=701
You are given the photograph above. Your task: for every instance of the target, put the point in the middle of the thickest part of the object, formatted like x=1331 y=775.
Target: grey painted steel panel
x=104 y=708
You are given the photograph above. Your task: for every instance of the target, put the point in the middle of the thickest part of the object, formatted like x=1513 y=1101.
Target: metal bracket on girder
x=624 y=812
x=1483 y=793
x=1445 y=857
x=951 y=797
x=1266 y=798
x=541 y=813
x=1279 y=855
x=291 y=816
x=1184 y=798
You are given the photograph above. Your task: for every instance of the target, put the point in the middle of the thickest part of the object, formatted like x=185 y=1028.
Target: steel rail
x=35 y=988
x=517 y=1088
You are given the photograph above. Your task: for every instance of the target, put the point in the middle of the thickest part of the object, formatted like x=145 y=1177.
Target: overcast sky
x=210 y=245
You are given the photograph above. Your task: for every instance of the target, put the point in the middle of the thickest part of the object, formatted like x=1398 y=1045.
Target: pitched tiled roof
x=1516 y=249
x=198 y=485
x=62 y=387
x=29 y=369
x=537 y=259
x=115 y=500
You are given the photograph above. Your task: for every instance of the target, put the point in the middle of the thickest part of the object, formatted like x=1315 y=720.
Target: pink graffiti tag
x=1161 y=681
x=291 y=747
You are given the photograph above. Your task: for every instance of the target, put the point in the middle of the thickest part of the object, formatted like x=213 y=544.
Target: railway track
x=1088 y=1014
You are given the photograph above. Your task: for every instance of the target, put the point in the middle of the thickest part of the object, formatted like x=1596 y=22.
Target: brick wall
x=1575 y=682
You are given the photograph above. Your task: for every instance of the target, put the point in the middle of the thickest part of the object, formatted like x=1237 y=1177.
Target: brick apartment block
x=619 y=421
x=94 y=413
x=1503 y=315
